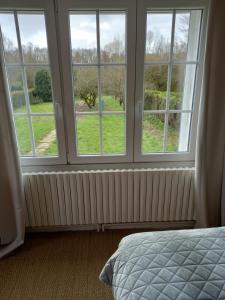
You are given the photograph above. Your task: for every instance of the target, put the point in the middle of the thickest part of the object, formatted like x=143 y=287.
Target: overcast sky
x=83 y=28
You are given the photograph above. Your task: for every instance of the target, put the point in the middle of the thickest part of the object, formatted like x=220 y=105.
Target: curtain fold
x=12 y=221
x=211 y=129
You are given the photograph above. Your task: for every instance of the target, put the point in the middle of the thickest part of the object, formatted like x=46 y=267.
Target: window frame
x=157 y=5
x=47 y=8
x=58 y=38
x=63 y=8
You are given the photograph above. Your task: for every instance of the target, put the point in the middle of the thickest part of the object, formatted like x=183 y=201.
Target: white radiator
x=115 y=196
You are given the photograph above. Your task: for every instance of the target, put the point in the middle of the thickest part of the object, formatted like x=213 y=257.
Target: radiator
x=114 y=196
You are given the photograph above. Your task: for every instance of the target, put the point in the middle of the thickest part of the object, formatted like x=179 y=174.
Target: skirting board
x=103 y=227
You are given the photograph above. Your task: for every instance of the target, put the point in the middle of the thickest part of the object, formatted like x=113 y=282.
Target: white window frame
x=47 y=7
x=58 y=37
x=63 y=18
x=156 y=5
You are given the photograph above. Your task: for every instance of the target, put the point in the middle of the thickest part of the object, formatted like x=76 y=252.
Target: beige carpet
x=59 y=266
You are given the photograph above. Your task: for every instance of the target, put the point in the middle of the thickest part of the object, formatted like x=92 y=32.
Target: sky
x=83 y=29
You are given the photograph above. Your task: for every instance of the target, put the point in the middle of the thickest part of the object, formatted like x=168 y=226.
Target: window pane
x=152 y=133
x=158 y=36
x=186 y=37
x=10 y=43
x=39 y=89
x=83 y=36
x=112 y=36
x=113 y=88
x=33 y=37
x=178 y=132
x=113 y=134
x=44 y=135
x=85 y=88
x=182 y=86
x=16 y=89
x=155 y=87
x=23 y=135
x=87 y=133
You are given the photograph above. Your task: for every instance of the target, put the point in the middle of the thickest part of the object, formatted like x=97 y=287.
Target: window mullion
x=170 y=66
x=24 y=78
x=99 y=81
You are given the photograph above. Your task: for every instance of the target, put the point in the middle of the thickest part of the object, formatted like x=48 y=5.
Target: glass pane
x=88 y=138
x=178 y=132
x=39 y=89
x=186 y=36
x=44 y=135
x=85 y=88
x=16 y=89
x=33 y=37
x=152 y=133
x=182 y=86
x=23 y=135
x=10 y=43
x=113 y=134
x=112 y=36
x=83 y=37
x=155 y=87
x=158 y=36
x=113 y=88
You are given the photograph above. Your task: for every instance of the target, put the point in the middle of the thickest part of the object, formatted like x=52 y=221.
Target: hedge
x=155 y=100
x=18 y=98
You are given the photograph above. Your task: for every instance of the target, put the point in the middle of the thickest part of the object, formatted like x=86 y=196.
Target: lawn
x=88 y=135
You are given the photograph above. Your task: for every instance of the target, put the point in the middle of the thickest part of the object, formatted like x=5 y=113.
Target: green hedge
x=155 y=100
x=18 y=98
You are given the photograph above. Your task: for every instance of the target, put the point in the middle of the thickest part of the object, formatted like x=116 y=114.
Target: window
x=98 y=54
x=88 y=89
x=171 y=53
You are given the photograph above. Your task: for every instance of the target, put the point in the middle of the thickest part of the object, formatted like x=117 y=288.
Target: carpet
x=62 y=265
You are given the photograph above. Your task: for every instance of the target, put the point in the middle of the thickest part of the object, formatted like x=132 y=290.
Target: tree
x=85 y=85
x=43 y=86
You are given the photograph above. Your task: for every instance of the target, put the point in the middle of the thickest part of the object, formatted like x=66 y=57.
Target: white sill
x=92 y=166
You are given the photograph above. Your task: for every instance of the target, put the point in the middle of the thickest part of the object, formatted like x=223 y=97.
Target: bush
x=18 y=98
x=155 y=100
x=43 y=86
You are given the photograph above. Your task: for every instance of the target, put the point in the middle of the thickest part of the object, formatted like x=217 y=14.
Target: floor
x=63 y=265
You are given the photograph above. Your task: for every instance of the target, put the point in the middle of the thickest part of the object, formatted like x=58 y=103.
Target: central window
x=98 y=56
x=92 y=81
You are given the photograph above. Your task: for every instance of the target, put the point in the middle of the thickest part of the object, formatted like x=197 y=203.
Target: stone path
x=46 y=142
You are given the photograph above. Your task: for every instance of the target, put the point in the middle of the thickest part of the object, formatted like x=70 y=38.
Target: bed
x=180 y=264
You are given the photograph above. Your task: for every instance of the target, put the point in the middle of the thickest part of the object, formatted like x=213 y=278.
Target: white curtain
x=12 y=224
x=211 y=135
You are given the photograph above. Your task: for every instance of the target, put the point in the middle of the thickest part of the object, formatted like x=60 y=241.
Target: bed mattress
x=180 y=264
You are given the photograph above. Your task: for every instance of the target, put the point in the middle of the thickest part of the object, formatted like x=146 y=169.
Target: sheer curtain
x=12 y=224
x=211 y=135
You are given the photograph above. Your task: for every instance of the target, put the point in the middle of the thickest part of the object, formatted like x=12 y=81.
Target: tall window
x=29 y=81
x=98 y=52
x=92 y=81
x=171 y=57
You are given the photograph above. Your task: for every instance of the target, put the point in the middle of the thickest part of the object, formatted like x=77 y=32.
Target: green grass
x=88 y=139
x=45 y=107
x=87 y=126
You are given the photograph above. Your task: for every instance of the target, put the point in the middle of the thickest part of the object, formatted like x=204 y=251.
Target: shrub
x=18 y=98
x=155 y=100
x=89 y=95
x=43 y=86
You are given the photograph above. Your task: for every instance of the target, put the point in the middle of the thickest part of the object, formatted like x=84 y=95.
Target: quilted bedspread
x=180 y=264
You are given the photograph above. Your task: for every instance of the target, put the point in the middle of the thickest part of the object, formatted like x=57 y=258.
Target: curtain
x=12 y=224
x=211 y=130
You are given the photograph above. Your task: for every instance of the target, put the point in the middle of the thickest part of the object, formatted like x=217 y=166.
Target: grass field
x=88 y=134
